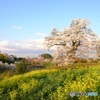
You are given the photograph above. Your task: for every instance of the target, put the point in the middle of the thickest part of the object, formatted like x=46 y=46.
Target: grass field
x=52 y=84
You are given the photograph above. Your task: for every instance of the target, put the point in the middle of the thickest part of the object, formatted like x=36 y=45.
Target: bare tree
x=74 y=41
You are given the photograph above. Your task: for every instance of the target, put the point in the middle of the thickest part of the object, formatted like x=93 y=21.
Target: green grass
x=54 y=84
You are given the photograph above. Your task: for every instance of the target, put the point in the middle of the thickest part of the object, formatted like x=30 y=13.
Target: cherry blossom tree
x=75 y=41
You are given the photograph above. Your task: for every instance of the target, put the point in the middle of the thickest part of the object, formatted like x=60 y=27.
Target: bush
x=21 y=67
x=4 y=58
x=7 y=73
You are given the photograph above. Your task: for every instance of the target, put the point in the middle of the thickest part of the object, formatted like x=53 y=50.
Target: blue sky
x=29 y=21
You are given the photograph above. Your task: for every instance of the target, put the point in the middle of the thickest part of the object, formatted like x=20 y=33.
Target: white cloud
x=3 y=43
x=4 y=46
x=30 y=47
x=17 y=27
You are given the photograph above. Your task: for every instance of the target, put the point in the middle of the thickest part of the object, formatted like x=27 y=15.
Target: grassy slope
x=52 y=84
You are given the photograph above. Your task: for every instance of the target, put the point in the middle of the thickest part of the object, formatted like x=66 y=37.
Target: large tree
x=78 y=40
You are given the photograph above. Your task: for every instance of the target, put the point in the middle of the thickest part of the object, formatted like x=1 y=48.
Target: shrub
x=21 y=67
x=4 y=58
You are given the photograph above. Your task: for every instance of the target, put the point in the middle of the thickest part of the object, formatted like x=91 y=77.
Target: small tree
x=46 y=56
